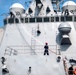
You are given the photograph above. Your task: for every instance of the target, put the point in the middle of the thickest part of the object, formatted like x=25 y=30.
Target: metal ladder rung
x=33 y=41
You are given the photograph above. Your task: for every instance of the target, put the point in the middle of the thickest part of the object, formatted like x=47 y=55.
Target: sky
x=5 y=6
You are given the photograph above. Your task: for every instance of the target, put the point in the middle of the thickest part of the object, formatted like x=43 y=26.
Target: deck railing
x=39 y=49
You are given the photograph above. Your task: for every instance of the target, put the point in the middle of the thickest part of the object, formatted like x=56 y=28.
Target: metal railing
x=26 y=49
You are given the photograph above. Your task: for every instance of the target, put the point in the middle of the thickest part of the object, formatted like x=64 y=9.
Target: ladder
x=33 y=41
x=59 y=50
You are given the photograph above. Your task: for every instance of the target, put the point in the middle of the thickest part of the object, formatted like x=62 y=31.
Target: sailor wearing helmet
x=46 y=47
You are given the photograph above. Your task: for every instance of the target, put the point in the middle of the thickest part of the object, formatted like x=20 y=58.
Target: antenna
x=12 y=1
x=5 y=14
x=56 y=4
x=27 y=3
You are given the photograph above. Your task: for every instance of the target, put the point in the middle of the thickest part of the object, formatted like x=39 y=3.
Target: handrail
x=2 y=37
x=52 y=51
x=38 y=49
x=65 y=66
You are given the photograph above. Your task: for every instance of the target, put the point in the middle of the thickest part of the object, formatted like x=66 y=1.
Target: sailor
x=11 y=14
x=29 y=70
x=46 y=47
x=66 y=12
x=3 y=60
x=58 y=58
x=70 y=71
x=4 y=69
x=75 y=71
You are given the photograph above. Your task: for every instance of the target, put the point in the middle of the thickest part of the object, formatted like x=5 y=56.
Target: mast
x=56 y=4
